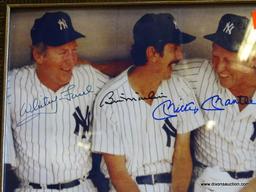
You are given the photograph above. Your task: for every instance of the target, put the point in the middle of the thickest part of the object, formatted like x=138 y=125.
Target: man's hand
x=182 y=164
x=119 y=175
x=250 y=187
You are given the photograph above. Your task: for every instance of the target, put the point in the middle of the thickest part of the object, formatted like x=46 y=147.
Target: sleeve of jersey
x=192 y=118
x=9 y=150
x=190 y=70
x=106 y=136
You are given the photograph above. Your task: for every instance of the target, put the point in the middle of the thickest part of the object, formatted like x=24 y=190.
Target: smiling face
x=233 y=74
x=55 y=65
x=171 y=54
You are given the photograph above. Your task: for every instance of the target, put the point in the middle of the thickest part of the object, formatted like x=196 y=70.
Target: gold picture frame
x=12 y=11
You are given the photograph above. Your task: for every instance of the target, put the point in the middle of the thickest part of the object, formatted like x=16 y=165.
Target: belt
x=58 y=186
x=233 y=174
x=152 y=179
x=241 y=175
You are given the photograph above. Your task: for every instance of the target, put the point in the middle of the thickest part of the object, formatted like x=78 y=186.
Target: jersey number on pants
x=169 y=130
x=84 y=121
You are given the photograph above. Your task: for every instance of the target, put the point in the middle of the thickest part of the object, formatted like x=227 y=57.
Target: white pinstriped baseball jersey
x=230 y=143
x=51 y=130
x=126 y=127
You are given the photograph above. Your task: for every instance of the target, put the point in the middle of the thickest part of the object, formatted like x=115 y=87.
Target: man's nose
x=71 y=58
x=221 y=66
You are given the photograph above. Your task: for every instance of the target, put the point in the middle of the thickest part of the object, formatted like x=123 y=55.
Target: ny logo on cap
x=62 y=23
x=228 y=28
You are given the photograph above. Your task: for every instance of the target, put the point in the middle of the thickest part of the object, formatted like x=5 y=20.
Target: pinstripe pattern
x=228 y=144
x=127 y=128
x=46 y=148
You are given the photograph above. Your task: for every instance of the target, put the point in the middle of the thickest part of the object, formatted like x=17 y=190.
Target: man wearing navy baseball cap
x=144 y=149
x=54 y=29
x=225 y=149
x=50 y=111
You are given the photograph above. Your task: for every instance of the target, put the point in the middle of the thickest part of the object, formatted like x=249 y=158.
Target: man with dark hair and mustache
x=142 y=152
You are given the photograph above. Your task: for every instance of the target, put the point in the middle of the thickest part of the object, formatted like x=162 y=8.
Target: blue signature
x=31 y=110
x=213 y=103
x=171 y=110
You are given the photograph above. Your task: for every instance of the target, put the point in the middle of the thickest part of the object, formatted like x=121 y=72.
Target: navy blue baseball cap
x=230 y=32
x=152 y=28
x=54 y=29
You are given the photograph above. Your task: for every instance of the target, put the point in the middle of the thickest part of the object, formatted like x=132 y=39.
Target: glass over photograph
x=130 y=99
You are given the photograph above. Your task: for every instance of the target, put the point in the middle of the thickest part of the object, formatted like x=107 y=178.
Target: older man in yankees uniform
x=225 y=149
x=144 y=149
x=50 y=111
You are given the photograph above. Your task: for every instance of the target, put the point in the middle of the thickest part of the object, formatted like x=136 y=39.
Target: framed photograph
x=62 y=68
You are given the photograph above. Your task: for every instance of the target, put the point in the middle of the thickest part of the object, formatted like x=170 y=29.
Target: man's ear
x=151 y=54
x=38 y=57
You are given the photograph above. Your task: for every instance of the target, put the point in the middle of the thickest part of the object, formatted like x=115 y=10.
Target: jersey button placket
x=237 y=157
